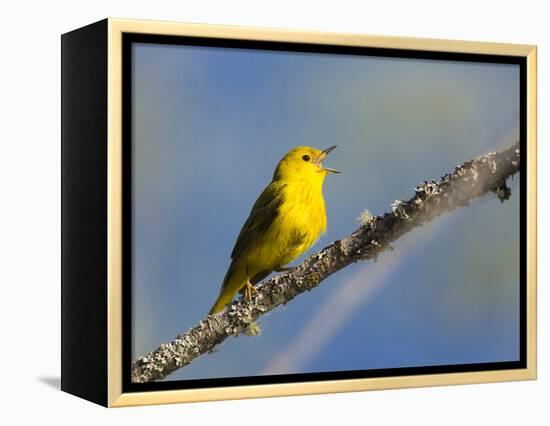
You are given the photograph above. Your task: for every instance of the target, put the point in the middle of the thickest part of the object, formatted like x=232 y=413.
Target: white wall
x=29 y=225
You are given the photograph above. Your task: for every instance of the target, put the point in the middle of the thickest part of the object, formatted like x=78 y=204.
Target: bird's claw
x=249 y=290
x=284 y=269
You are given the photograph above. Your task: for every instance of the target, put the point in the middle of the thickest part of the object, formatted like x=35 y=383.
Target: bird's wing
x=263 y=214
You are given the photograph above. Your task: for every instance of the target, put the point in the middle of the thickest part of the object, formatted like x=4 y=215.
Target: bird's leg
x=248 y=289
x=284 y=269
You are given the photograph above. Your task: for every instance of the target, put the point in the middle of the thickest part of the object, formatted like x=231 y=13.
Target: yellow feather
x=286 y=220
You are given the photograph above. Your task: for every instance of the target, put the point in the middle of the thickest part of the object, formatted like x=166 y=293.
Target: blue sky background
x=209 y=126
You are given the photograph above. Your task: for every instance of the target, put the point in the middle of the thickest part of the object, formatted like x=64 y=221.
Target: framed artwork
x=254 y=212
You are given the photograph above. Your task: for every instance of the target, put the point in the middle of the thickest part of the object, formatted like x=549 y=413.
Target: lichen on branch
x=470 y=180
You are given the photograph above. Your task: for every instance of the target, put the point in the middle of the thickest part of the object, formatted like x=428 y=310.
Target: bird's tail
x=234 y=280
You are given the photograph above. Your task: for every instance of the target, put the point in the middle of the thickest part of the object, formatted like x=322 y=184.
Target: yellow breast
x=300 y=222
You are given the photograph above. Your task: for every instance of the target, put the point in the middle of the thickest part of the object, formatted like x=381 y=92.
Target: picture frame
x=98 y=297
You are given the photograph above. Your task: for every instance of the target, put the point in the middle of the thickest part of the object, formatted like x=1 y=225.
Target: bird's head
x=303 y=162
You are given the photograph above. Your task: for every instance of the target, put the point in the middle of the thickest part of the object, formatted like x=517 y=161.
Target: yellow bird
x=287 y=219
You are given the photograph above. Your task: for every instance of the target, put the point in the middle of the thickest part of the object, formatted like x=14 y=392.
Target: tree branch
x=469 y=180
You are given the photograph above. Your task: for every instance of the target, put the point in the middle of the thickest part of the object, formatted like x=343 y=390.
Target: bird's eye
x=306 y=157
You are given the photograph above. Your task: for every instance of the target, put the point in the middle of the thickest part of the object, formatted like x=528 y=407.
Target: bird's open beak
x=322 y=156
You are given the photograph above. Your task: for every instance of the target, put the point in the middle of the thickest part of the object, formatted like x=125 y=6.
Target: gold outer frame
x=116 y=27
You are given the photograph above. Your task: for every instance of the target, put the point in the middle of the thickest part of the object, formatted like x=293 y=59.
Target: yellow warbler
x=286 y=220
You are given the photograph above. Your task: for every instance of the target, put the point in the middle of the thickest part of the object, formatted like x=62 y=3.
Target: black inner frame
x=129 y=38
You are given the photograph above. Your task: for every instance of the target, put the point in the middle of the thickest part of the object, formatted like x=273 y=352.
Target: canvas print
x=300 y=214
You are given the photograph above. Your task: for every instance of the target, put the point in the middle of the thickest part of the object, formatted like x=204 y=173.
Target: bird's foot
x=249 y=290
x=284 y=269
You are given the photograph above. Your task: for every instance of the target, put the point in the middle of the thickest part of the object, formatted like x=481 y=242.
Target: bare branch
x=476 y=177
